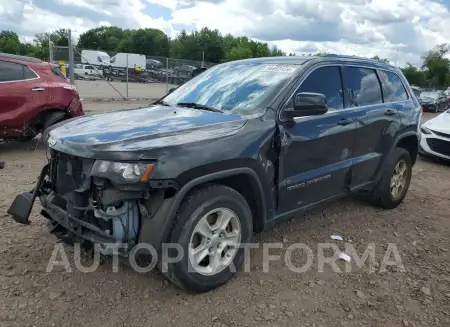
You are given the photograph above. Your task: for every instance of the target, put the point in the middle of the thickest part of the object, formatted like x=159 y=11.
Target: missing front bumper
x=21 y=207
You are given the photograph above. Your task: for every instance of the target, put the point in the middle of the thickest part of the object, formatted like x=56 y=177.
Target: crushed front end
x=92 y=201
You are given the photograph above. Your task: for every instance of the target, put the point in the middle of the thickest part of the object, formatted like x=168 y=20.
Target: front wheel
x=393 y=186
x=211 y=225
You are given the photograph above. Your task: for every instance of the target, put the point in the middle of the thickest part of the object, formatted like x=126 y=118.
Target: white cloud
x=397 y=29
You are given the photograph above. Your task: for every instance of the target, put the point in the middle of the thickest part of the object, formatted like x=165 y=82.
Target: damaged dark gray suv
x=235 y=149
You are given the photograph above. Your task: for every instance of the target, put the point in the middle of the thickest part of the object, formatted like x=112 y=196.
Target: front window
x=241 y=88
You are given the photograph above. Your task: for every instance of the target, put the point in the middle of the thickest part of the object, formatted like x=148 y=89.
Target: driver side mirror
x=307 y=104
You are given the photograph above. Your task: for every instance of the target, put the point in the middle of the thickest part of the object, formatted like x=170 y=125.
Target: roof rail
x=21 y=58
x=351 y=57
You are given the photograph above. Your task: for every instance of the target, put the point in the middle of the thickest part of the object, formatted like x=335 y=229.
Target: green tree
x=106 y=38
x=436 y=66
x=238 y=52
x=318 y=54
x=150 y=42
x=380 y=59
x=415 y=76
x=10 y=43
x=276 y=52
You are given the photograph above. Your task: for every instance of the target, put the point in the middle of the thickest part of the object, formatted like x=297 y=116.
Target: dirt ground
x=420 y=296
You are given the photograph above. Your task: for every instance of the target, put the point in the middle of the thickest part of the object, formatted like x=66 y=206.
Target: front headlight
x=425 y=130
x=122 y=172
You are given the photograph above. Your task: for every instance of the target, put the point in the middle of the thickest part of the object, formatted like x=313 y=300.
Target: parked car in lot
x=153 y=64
x=447 y=94
x=435 y=136
x=243 y=145
x=33 y=96
x=434 y=101
x=184 y=71
x=86 y=71
x=416 y=90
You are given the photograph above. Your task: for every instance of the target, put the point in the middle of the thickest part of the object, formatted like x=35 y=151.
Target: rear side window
x=10 y=72
x=393 y=88
x=362 y=87
x=89 y=67
x=327 y=81
x=28 y=73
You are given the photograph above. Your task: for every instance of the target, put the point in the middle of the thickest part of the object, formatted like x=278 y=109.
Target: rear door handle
x=390 y=112
x=345 y=121
x=38 y=89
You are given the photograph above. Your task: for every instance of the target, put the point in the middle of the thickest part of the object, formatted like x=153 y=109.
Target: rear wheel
x=210 y=226
x=53 y=118
x=393 y=186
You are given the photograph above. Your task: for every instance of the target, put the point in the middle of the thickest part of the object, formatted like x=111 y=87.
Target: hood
x=440 y=123
x=130 y=133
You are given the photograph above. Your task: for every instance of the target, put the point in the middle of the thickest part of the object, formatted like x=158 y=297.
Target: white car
x=86 y=71
x=435 y=136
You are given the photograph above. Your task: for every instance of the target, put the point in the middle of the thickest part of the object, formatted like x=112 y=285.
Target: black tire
x=193 y=208
x=381 y=195
x=53 y=118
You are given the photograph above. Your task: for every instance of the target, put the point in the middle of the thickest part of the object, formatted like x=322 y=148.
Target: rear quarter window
x=28 y=73
x=393 y=88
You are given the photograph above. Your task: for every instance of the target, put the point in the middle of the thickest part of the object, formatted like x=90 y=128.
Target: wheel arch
x=39 y=119
x=409 y=142
x=156 y=230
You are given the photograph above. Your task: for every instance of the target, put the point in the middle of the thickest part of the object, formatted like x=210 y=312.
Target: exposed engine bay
x=92 y=210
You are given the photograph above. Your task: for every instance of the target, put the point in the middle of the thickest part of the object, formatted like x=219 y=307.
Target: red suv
x=34 y=95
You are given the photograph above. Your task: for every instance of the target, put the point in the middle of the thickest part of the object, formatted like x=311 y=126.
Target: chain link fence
x=105 y=75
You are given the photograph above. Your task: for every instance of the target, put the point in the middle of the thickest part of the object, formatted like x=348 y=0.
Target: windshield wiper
x=162 y=102
x=198 y=106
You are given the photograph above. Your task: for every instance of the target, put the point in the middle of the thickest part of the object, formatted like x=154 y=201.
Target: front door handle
x=345 y=121
x=38 y=89
x=390 y=112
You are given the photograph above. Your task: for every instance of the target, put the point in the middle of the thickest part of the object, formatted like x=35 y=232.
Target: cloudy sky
x=400 y=30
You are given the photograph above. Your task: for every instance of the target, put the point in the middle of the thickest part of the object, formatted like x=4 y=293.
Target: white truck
x=134 y=61
x=87 y=72
x=95 y=57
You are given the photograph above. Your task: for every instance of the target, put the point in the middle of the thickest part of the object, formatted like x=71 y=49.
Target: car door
x=316 y=151
x=377 y=120
x=20 y=93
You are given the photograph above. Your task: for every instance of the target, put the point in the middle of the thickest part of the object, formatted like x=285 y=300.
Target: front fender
x=154 y=231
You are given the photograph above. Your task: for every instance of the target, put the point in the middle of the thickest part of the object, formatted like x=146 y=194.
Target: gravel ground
x=420 y=296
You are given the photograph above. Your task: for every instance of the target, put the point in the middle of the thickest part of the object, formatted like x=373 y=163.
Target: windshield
x=432 y=95
x=243 y=88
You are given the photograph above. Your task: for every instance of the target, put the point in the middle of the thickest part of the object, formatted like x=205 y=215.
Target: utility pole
x=203 y=59
x=50 y=52
x=71 y=64
x=127 y=76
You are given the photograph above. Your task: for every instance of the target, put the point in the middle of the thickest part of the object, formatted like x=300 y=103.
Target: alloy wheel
x=399 y=179
x=215 y=241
